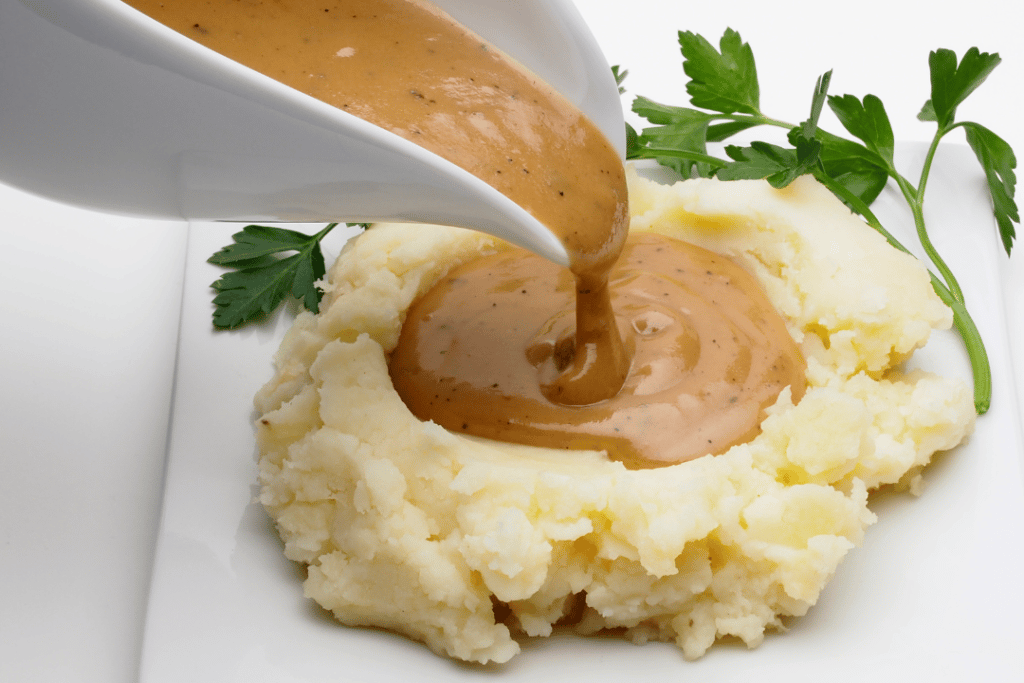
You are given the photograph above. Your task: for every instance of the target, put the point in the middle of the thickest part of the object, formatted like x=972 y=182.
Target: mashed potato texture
x=406 y=526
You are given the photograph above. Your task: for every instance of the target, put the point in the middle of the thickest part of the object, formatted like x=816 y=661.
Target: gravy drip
x=479 y=352
x=409 y=68
x=512 y=347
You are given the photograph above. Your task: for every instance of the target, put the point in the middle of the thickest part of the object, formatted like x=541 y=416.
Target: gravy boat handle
x=105 y=108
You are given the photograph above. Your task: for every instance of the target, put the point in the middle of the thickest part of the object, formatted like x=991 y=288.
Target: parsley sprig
x=259 y=278
x=725 y=95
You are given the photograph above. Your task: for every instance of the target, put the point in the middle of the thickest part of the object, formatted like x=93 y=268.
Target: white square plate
x=933 y=594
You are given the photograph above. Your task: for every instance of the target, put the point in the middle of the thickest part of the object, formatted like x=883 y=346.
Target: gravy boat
x=105 y=108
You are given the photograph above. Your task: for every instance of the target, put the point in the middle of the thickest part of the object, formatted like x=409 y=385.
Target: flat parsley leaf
x=998 y=161
x=679 y=128
x=260 y=279
x=851 y=165
x=951 y=84
x=868 y=121
x=723 y=81
x=762 y=160
x=620 y=75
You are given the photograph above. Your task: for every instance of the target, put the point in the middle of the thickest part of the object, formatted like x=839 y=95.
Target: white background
x=90 y=321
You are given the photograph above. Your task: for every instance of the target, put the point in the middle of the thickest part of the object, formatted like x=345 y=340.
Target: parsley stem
x=759 y=120
x=976 y=352
x=655 y=152
x=981 y=370
x=915 y=199
x=323 y=233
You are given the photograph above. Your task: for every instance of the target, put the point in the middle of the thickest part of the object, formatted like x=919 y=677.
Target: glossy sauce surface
x=479 y=353
x=513 y=347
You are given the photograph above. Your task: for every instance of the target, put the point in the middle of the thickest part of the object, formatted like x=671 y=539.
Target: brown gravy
x=710 y=353
x=405 y=66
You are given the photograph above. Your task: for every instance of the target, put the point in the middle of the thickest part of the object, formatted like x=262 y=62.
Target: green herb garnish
x=261 y=278
x=725 y=95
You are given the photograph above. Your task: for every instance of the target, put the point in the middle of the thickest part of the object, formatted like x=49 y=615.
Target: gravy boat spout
x=103 y=107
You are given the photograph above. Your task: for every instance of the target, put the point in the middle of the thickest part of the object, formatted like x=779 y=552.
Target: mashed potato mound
x=406 y=526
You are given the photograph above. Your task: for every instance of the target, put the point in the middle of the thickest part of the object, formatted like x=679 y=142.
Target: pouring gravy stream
x=536 y=356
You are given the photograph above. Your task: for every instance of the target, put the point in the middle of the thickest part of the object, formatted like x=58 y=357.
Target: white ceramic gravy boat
x=102 y=107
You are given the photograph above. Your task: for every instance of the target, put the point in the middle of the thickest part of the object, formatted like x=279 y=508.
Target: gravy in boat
x=509 y=346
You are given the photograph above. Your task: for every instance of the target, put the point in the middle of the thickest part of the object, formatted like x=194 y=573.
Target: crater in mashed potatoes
x=406 y=526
